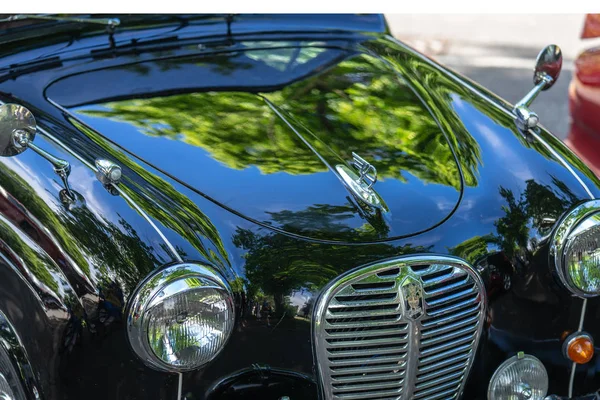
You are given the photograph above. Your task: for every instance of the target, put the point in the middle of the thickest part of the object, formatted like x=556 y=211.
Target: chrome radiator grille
x=403 y=329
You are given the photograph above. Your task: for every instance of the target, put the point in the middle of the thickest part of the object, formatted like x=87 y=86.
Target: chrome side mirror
x=548 y=66
x=546 y=73
x=17 y=131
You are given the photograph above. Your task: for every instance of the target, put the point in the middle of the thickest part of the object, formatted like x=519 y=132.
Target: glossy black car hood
x=261 y=131
x=513 y=185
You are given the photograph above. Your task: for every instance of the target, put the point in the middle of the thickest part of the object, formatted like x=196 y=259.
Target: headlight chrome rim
x=145 y=297
x=561 y=241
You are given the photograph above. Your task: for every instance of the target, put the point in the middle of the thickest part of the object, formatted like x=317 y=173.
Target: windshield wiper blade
x=110 y=22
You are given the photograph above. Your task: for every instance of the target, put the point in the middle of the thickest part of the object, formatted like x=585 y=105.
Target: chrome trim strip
x=568 y=223
x=300 y=136
x=91 y=166
x=338 y=300
x=174 y=252
x=562 y=161
x=582 y=317
x=574 y=366
x=572 y=379
x=179 y=386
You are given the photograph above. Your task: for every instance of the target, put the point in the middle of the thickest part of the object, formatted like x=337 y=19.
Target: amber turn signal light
x=579 y=347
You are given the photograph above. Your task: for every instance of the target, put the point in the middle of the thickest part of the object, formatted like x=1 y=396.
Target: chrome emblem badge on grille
x=412 y=291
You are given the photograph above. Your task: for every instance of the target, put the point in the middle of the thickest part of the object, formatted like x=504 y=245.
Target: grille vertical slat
x=402 y=329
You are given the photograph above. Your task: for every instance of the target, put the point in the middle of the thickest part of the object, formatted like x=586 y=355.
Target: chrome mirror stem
x=535 y=91
x=62 y=167
x=526 y=118
x=546 y=72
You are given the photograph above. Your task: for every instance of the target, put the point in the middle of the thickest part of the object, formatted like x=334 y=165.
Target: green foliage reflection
x=522 y=213
x=276 y=264
x=359 y=105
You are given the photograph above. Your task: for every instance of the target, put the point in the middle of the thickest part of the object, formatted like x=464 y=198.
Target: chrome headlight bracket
x=172 y=281
x=562 y=239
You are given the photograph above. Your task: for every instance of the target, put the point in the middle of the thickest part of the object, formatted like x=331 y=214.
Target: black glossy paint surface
x=175 y=130
x=233 y=147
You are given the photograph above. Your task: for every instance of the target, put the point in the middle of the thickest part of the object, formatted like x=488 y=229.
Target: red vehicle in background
x=584 y=99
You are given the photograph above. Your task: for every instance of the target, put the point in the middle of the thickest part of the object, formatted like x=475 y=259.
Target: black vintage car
x=282 y=208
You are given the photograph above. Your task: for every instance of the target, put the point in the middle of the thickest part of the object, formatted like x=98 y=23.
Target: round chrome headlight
x=576 y=250
x=180 y=318
x=520 y=377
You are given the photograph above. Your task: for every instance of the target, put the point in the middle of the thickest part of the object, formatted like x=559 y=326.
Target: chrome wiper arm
x=110 y=22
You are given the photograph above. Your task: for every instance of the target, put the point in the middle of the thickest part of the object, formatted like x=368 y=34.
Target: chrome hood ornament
x=368 y=173
x=360 y=182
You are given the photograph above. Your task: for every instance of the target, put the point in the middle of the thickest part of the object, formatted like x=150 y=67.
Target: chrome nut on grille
x=405 y=328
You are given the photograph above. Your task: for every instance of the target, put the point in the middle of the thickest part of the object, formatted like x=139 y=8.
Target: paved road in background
x=499 y=51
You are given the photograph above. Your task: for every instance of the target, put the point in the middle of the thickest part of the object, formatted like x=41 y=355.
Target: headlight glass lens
x=582 y=256
x=181 y=317
x=519 y=377
x=575 y=249
x=189 y=328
